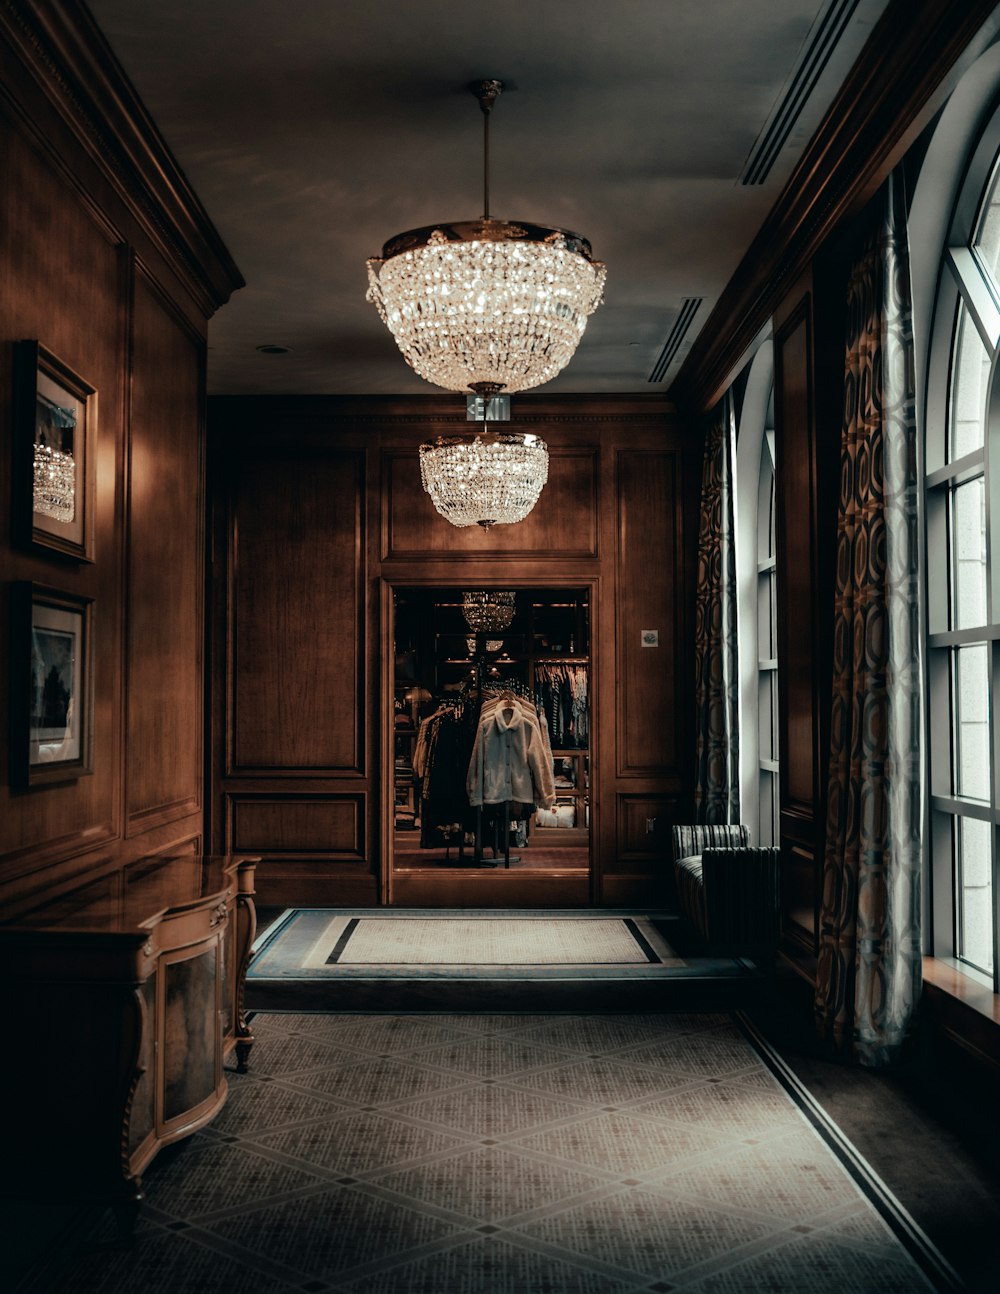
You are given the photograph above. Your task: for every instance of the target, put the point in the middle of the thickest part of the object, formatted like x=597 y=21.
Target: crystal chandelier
x=492 y=478
x=486 y=304
x=55 y=483
x=488 y=610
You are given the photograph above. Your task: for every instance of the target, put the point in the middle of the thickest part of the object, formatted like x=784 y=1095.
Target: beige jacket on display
x=509 y=760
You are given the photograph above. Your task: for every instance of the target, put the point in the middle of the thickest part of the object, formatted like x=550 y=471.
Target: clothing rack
x=485 y=685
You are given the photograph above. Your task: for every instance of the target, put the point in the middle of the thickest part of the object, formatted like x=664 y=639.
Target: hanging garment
x=561 y=694
x=531 y=713
x=509 y=760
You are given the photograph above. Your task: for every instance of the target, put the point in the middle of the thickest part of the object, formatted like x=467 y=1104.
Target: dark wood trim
x=240 y=414
x=910 y=60
x=73 y=64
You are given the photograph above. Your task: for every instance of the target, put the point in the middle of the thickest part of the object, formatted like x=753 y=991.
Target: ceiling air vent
x=688 y=310
x=823 y=40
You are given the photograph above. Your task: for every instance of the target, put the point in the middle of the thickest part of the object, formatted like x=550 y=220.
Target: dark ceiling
x=313 y=130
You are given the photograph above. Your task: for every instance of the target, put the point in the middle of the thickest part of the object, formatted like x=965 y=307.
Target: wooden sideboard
x=123 y=1000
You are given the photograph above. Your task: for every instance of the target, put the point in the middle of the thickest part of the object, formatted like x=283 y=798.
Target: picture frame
x=51 y=686
x=54 y=435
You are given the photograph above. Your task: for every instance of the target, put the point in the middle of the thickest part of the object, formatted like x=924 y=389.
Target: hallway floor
x=501 y=1154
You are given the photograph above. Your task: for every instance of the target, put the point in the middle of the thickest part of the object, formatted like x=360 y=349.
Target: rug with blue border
x=487 y=958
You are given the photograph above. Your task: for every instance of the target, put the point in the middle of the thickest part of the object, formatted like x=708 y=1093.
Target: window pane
x=970 y=701
x=768 y=807
x=970 y=375
x=988 y=240
x=765 y=709
x=975 y=893
x=967 y=517
x=766 y=615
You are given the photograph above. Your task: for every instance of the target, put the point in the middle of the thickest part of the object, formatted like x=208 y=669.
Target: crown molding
x=60 y=45
x=912 y=59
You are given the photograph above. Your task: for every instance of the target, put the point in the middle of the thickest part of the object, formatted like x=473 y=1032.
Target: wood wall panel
x=649 y=575
x=163 y=675
x=61 y=265
x=298 y=614
x=563 y=524
x=283 y=555
x=644 y=826
x=809 y=393
x=87 y=194
x=333 y=826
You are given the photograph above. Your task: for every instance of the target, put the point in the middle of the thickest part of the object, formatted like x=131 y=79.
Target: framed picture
x=55 y=425
x=51 y=686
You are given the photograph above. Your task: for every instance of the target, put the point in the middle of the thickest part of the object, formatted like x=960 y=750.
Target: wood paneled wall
x=115 y=269
x=318 y=511
x=808 y=399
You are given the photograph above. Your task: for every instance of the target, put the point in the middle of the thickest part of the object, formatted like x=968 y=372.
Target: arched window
x=767 y=643
x=756 y=580
x=963 y=572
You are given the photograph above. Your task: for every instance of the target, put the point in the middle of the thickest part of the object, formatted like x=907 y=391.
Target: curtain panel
x=868 y=975
x=717 y=786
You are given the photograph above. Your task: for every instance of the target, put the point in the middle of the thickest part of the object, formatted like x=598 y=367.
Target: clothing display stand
x=481 y=675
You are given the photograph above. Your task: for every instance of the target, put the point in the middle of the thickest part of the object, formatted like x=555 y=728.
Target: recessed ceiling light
x=274 y=350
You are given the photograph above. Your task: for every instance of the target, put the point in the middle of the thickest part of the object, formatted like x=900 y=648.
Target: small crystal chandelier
x=492 y=645
x=488 y=610
x=492 y=478
x=55 y=484
x=486 y=306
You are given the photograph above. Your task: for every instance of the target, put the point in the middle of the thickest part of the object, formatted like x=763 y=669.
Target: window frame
x=966 y=280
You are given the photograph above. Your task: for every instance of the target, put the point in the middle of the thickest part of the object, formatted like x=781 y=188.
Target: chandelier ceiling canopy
x=486 y=305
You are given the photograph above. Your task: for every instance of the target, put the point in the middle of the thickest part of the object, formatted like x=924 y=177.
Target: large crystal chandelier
x=477 y=304
x=486 y=306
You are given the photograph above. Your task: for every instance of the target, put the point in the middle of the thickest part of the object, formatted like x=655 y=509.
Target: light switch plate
x=650 y=637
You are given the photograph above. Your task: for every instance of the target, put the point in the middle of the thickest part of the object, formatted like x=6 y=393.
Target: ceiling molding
x=889 y=96
x=64 y=51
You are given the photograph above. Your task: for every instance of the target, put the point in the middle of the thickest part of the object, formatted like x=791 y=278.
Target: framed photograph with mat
x=54 y=431
x=51 y=686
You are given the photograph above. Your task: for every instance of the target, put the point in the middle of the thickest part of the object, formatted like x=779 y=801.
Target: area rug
x=323 y=942
x=489 y=941
x=499 y=1154
x=483 y=959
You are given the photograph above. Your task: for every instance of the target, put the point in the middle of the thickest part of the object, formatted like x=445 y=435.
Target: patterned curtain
x=868 y=979
x=717 y=786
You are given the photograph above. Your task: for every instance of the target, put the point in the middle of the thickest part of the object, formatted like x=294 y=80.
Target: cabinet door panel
x=191 y=1031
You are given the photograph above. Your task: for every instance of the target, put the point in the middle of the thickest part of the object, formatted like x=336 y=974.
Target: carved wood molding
x=63 y=49
x=888 y=97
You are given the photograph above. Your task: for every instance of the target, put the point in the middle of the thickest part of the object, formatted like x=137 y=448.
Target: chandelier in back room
x=489 y=610
x=486 y=306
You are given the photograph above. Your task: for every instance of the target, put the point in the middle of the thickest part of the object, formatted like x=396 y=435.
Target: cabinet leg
x=126 y=1211
x=243 y=1046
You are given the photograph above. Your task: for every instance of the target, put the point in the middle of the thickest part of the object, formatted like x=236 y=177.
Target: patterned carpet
x=518 y=1154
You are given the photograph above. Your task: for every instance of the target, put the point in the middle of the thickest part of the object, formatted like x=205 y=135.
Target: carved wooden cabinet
x=124 y=999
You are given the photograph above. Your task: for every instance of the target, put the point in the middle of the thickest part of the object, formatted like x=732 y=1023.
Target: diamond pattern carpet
x=506 y=1154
